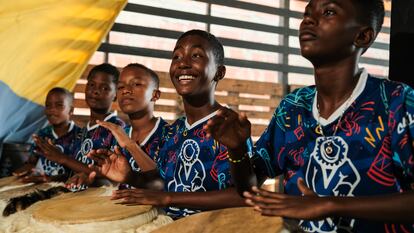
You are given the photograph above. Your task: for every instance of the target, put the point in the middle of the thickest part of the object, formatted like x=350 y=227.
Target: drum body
x=86 y=211
x=231 y=220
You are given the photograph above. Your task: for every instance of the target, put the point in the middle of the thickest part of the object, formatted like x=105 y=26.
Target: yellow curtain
x=47 y=43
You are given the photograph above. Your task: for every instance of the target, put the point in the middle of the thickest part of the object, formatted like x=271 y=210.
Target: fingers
x=108 y=125
x=92 y=176
x=100 y=156
x=304 y=189
x=78 y=182
x=117 y=151
x=244 y=122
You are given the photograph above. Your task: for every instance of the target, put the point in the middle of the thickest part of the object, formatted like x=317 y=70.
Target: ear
x=156 y=94
x=365 y=38
x=221 y=72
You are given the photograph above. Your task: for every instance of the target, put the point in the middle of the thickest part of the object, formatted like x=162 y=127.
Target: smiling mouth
x=186 y=78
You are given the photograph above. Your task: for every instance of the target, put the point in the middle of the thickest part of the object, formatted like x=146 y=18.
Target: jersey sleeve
x=267 y=155
x=401 y=122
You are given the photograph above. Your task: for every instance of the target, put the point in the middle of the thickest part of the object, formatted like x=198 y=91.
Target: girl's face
x=100 y=91
x=58 y=108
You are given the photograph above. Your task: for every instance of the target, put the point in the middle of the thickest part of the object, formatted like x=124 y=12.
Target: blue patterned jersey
x=370 y=154
x=189 y=162
x=150 y=145
x=67 y=144
x=97 y=137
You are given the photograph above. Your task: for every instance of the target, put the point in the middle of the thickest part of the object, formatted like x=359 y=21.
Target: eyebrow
x=193 y=46
x=332 y=2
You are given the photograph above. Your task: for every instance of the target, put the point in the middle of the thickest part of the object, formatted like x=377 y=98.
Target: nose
x=309 y=19
x=126 y=90
x=184 y=63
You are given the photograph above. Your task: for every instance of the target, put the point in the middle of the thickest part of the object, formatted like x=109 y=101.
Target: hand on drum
x=142 y=197
x=229 y=128
x=32 y=178
x=111 y=164
x=46 y=148
x=23 y=170
x=307 y=206
x=80 y=181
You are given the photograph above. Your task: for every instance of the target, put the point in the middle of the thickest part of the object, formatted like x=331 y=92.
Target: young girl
x=61 y=132
x=345 y=145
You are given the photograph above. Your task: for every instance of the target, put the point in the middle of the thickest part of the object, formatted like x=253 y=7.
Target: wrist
x=331 y=206
x=167 y=199
x=238 y=153
x=61 y=160
x=130 y=145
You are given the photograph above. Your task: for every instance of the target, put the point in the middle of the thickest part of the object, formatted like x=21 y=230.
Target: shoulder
x=301 y=97
x=47 y=130
x=163 y=123
x=117 y=120
x=393 y=92
x=179 y=122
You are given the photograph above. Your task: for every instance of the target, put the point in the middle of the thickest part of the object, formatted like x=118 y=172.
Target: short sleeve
x=401 y=122
x=267 y=152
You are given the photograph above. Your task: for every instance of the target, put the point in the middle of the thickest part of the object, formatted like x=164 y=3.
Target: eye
x=176 y=57
x=196 y=55
x=329 y=12
x=120 y=88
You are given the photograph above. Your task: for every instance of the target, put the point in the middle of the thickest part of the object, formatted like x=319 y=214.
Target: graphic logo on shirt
x=330 y=174
x=51 y=168
x=86 y=147
x=189 y=174
x=134 y=164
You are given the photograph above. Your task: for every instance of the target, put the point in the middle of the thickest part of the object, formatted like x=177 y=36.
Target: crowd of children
x=354 y=166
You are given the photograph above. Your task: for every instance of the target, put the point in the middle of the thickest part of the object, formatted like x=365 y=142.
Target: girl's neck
x=95 y=115
x=62 y=128
x=142 y=126
x=198 y=107
x=335 y=85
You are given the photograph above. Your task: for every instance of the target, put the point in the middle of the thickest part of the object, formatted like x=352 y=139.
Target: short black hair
x=215 y=44
x=107 y=69
x=154 y=76
x=371 y=12
x=64 y=91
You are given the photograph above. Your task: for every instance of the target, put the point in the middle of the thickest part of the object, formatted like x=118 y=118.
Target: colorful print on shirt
x=372 y=152
x=189 y=162
x=67 y=144
x=97 y=137
x=150 y=145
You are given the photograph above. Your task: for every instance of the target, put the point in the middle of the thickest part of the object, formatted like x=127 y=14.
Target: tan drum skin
x=231 y=220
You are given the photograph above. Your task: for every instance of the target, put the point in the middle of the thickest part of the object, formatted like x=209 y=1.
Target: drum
x=231 y=220
x=11 y=182
x=88 y=211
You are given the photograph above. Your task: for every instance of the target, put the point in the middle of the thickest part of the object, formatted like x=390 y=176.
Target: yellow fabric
x=48 y=43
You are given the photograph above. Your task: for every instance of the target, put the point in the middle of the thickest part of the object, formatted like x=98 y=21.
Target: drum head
x=240 y=220
x=10 y=180
x=85 y=209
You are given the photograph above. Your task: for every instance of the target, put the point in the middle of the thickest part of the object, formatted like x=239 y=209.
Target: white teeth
x=186 y=77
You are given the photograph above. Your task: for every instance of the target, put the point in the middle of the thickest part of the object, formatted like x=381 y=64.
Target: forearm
x=74 y=165
x=206 y=200
x=148 y=180
x=142 y=159
x=241 y=170
x=390 y=208
x=59 y=178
